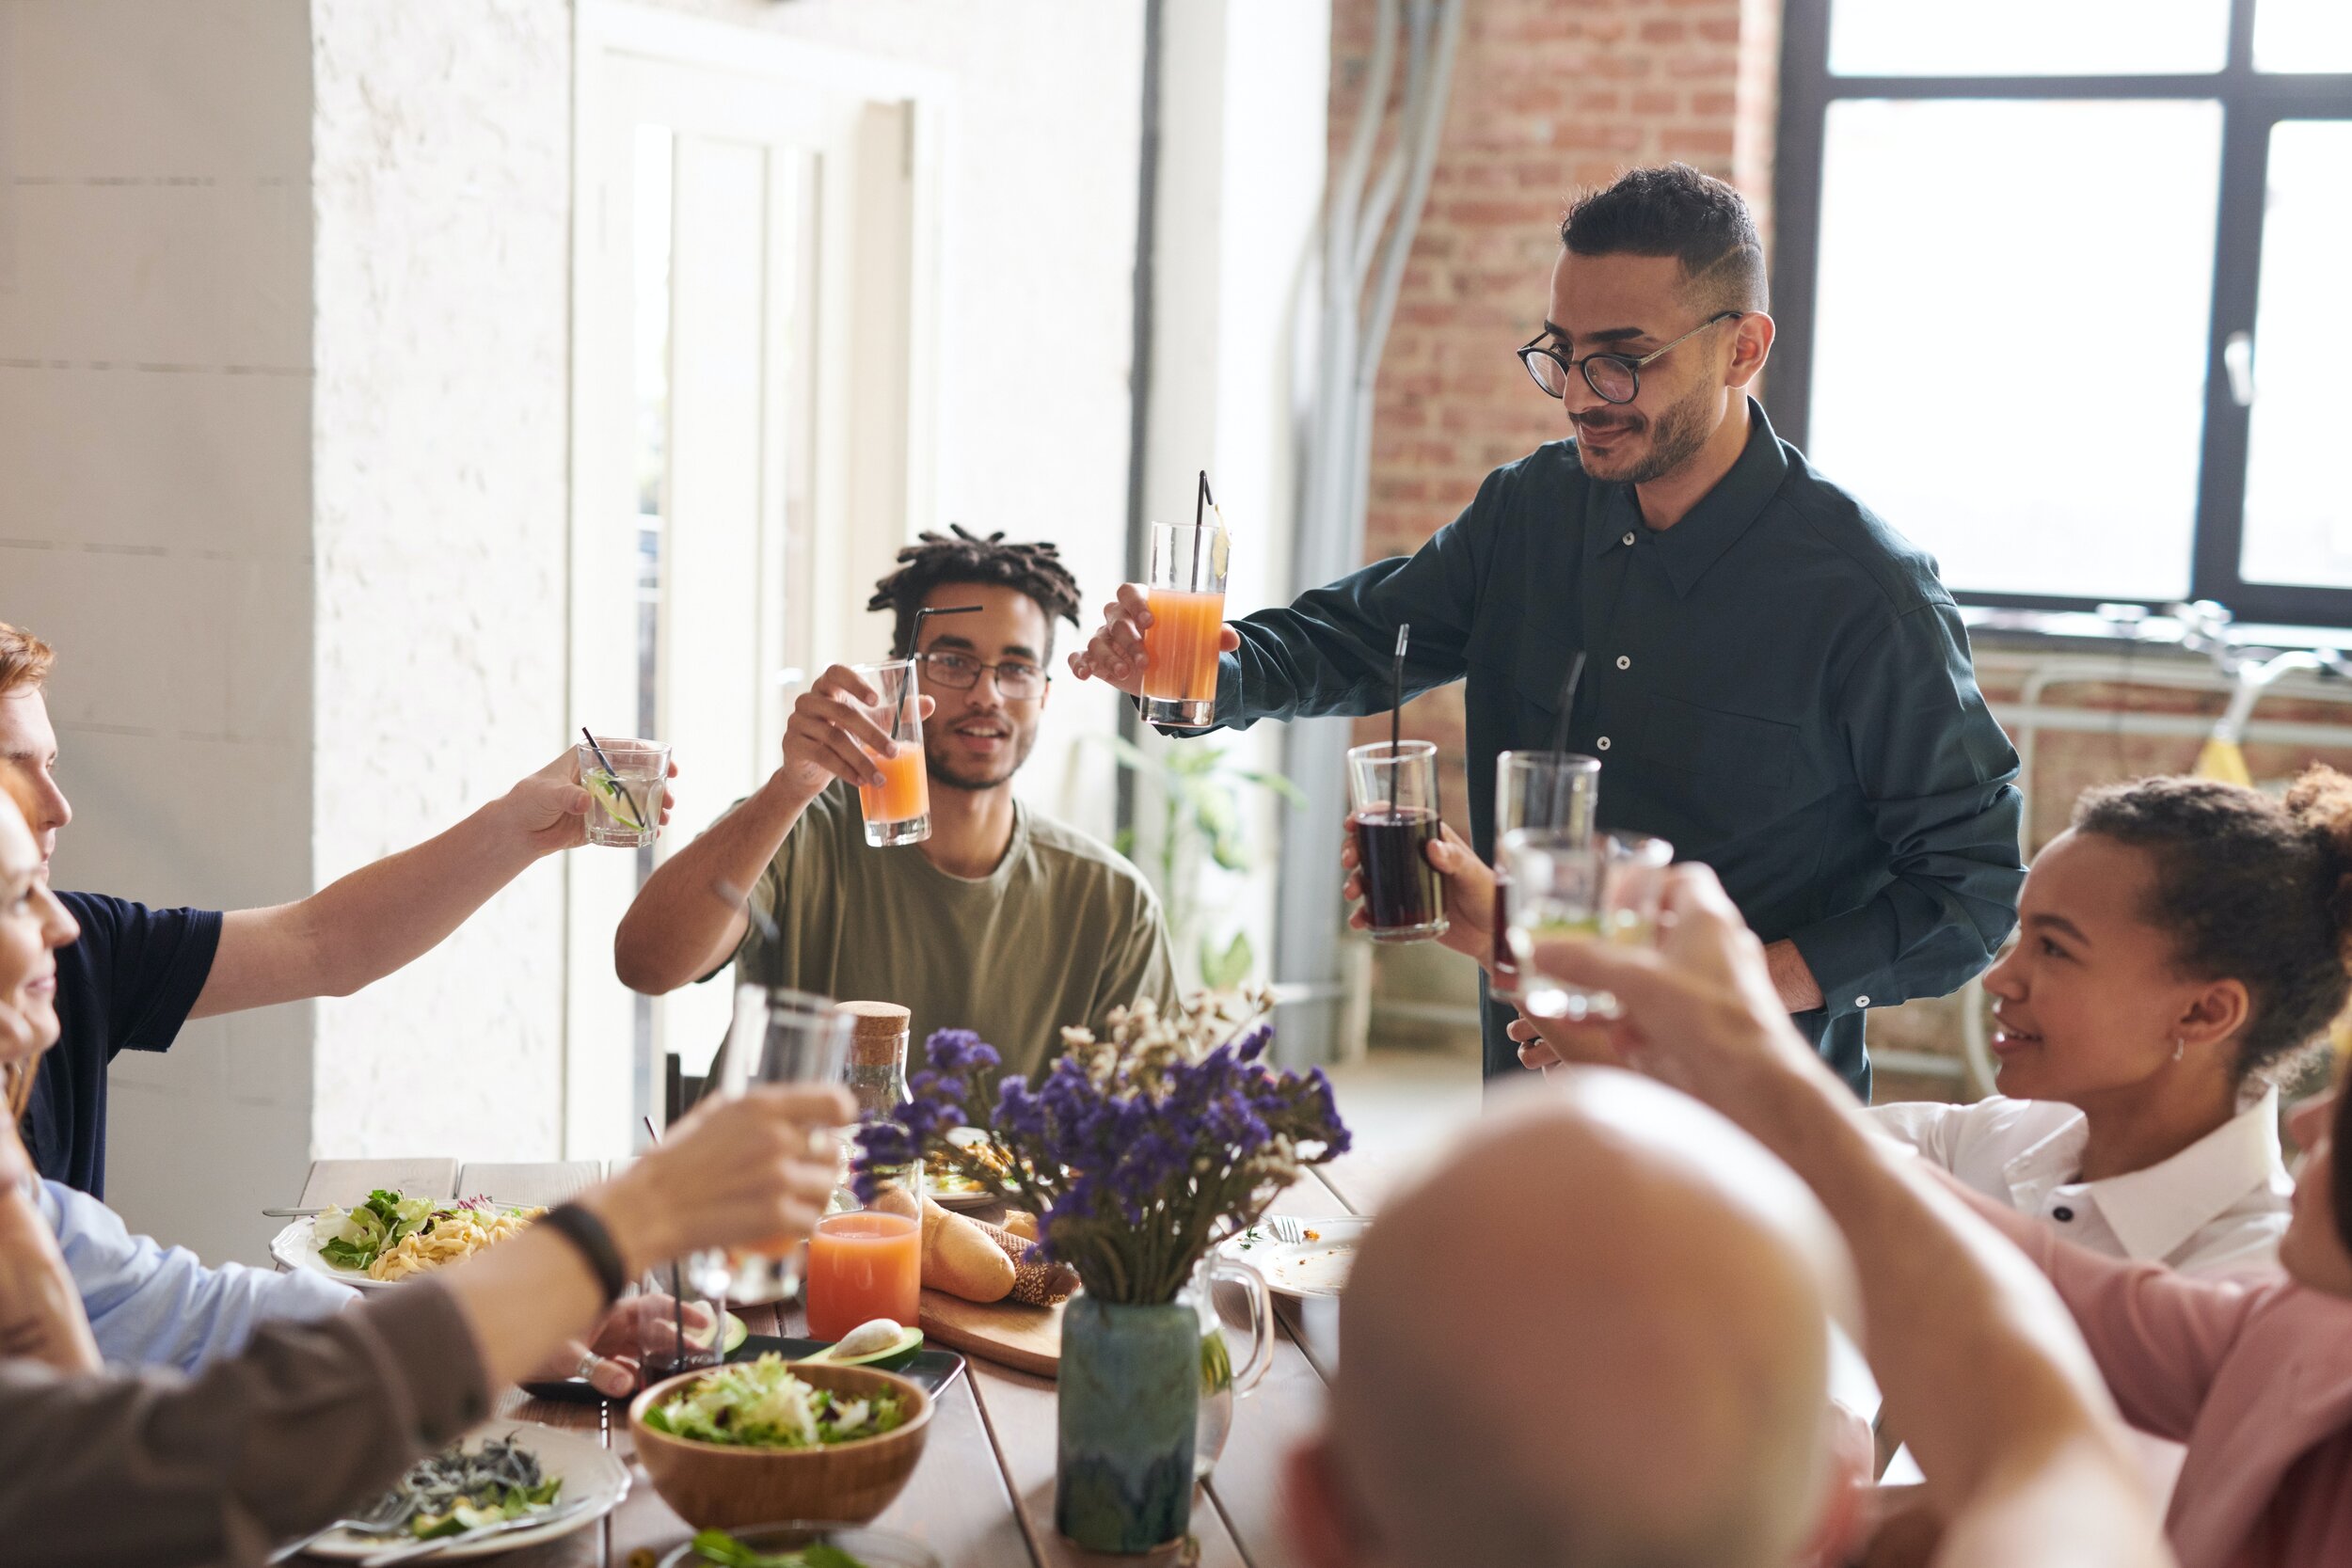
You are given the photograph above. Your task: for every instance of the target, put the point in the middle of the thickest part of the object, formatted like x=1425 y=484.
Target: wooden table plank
x=1272 y=1418
x=345 y=1182
x=529 y=1183
x=1361 y=1180
x=1021 y=1417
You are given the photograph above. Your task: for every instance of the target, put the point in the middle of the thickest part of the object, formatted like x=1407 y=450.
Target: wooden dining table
x=982 y=1495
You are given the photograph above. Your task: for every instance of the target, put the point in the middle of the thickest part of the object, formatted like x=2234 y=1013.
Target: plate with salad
x=394 y=1235
x=499 y=1473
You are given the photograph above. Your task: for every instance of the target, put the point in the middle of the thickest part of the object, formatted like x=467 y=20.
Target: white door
x=743 y=308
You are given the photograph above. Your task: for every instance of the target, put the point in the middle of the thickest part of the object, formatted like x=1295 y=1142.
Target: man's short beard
x=936 y=766
x=1677 y=434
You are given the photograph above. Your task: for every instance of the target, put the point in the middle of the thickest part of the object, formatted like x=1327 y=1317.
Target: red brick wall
x=1549 y=96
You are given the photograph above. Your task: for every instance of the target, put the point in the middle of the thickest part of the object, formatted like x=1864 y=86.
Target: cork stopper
x=878 y=1032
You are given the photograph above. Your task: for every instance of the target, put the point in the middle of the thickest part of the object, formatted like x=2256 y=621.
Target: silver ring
x=586 y=1371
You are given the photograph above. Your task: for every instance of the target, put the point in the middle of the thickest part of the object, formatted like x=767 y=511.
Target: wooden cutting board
x=1027 y=1339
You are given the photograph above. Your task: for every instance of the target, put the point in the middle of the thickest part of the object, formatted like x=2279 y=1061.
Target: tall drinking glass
x=898 y=810
x=625 y=787
x=1567 y=889
x=1186 y=597
x=1394 y=793
x=778 y=1036
x=1554 y=791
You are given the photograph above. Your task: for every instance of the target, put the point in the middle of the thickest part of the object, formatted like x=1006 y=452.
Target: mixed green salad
x=760 y=1404
x=717 y=1545
x=373 y=1229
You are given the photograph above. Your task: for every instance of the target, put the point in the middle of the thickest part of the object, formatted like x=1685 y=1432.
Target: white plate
x=297 y=1249
x=590 y=1475
x=979 y=1197
x=1302 y=1269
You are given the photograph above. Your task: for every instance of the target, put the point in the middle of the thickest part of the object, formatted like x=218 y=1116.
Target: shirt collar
x=1690 y=547
x=2153 y=1212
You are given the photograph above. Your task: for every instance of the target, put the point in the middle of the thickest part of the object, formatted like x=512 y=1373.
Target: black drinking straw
x=1202 y=501
x=914 y=643
x=1567 y=701
x=626 y=794
x=677 y=1299
x=1396 y=689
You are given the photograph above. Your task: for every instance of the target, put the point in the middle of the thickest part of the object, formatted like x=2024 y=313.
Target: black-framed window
x=2065 y=289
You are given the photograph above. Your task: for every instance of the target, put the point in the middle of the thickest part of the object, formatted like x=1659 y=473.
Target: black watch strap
x=585 y=1231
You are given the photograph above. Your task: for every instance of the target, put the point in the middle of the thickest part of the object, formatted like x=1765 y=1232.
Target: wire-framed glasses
x=1613 y=377
x=1017 y=680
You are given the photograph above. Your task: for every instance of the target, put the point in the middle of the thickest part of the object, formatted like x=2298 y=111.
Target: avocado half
x=890 y=1359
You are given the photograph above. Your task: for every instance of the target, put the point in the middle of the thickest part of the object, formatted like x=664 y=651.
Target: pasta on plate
x=454 y=1234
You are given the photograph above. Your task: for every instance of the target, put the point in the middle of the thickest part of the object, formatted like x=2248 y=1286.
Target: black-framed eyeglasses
x=1017 y=679
x=1613 y=377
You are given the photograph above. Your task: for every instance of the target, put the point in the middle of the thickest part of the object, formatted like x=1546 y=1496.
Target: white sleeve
x=152 y=1306
x=1929 y=1127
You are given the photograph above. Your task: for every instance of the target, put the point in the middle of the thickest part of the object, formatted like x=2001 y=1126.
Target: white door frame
x=867 y=477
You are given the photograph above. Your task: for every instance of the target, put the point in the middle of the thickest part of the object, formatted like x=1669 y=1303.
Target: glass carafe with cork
x=865 y=1260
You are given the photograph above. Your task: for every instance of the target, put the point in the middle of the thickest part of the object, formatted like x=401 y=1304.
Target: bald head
x=1596 y=1336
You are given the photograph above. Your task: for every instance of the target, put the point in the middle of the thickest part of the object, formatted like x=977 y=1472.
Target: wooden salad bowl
x=717 y=1485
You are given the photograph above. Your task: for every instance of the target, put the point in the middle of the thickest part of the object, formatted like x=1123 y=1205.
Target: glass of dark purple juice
x=1553 y=792
x=1394 y=793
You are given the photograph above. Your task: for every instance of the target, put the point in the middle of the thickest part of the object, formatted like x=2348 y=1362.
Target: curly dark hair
x=958 y=556
x=2250 y=889
x=1675 y=210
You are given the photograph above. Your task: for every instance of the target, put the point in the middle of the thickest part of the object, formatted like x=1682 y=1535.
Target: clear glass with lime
x=625 y=780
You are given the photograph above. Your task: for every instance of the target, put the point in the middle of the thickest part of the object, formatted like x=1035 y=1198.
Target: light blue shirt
x=154 y=1306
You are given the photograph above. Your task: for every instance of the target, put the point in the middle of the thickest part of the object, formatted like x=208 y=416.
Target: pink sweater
x=2254 y=1375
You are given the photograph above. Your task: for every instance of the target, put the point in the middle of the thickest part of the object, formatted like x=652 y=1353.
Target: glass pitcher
x=1220 y=1385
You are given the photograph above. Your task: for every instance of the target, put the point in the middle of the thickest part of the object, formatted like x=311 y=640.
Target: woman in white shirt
x=2179 y=950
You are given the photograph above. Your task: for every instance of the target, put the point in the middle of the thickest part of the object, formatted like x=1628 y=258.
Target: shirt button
x=1602 y=743
x=1629 y=538
x=1623 y=663
x=2063 y=1214
x=1861 y=1001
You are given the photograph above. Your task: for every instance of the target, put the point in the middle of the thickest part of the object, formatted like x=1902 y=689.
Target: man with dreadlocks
x=1003 y=921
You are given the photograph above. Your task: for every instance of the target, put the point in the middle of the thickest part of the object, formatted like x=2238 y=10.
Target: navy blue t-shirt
x=127 y=985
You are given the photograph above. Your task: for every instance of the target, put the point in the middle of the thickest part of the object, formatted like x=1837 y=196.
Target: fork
x=383 y=1521
x=1286 y=1228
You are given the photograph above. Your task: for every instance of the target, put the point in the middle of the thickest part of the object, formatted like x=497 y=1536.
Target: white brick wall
x=442 y=169
x=154 y=426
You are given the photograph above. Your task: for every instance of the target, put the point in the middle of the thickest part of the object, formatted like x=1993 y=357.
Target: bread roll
x=962 y=1259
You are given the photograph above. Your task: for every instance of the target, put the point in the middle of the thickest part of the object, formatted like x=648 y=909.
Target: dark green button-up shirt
x=1778 y=685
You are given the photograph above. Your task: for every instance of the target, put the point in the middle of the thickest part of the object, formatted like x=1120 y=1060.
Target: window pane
x=2031 y=38
x=2010 y=356
x=2299 y=515
x=2303 y=34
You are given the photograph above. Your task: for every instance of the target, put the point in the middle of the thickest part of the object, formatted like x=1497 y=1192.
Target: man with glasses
x=1775 y=681
x=1003 y=921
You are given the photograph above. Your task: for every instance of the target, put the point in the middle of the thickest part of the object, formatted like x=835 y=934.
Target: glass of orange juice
x=1186 y=597
x=898 y=810
x=868 y=1262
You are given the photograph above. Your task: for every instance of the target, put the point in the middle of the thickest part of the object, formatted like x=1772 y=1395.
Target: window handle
x=2238 y=359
